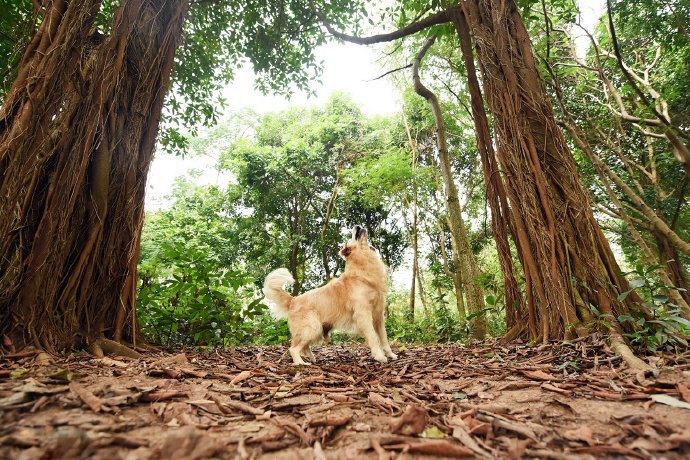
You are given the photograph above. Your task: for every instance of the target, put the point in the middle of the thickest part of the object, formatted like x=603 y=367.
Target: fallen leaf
x=684 y=391
x=241 y=377
x=331 y=420
x=538 y=375
x=516 y=447
x=652 y=445
x=412 y=421
x=433 y=432
x=300 y=400
x=94 y=402
x=669 y=401
x=111 y=362
x=581 y=433
x=441 y=448
x=554 y=388
x=63 y=374
x=237 y=405
x=163 y=395
x=18 y=372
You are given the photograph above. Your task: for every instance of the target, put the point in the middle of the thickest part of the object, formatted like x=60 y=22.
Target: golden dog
x=353 y=302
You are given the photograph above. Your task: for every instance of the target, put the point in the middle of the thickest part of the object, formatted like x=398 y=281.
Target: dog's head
x=359 y=243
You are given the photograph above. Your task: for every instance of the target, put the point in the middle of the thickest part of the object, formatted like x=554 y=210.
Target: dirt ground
x=489 y=401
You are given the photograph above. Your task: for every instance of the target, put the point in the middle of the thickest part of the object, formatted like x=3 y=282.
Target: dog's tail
x=273 y=289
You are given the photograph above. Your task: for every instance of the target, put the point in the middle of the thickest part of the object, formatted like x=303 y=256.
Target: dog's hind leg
x=309 y=332
x=380 y=326
x=296 y=351
x=363 y=320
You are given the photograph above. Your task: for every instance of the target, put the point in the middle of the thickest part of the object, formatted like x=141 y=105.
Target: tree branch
x=441 y=17
x=390 y=72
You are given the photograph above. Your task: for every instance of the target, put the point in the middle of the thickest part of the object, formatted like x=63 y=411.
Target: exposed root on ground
x=622 y=349
x=101 y=346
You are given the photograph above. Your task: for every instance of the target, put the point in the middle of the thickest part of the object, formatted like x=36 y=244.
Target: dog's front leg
x=309 y=354
x=383 y=337
x=364 y=322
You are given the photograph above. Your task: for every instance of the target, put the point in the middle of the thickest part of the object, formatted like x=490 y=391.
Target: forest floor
x=573 y=400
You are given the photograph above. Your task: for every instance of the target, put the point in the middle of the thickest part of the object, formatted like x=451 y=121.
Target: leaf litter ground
x=574 y=400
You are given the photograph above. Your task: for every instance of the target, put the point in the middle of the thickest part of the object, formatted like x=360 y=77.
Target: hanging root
x=622 y=349
x=101 y=346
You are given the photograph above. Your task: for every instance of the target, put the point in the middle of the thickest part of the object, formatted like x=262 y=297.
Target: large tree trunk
x=77 y=133
x=461 y=245
x=567 y=261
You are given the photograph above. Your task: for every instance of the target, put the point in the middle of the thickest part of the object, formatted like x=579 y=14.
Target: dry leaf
x=90 y=399
x=241 y=377
x=684 y=391
x=538 y=375
x=669 y=401
x=413 y=421
x=581 y=433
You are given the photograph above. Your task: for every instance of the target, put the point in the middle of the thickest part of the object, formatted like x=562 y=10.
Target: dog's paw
x=392 y=355
x=381 y=359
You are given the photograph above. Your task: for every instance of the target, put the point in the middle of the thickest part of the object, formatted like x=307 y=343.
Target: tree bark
x=77 y=133
x=468 y=264
x=493 y=180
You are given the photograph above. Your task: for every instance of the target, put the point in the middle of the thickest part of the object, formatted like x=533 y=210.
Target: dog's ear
x=345 y=251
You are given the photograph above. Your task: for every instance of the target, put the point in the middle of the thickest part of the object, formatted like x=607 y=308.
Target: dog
x=353 y=302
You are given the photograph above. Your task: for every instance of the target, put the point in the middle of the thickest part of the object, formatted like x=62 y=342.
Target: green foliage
x=197 y=303
x=658 y=323
x=16 y=26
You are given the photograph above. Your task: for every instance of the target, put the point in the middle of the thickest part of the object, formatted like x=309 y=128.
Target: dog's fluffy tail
x=273 y=289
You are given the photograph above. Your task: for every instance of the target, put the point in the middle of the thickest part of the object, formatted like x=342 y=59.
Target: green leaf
x=637 y=283
x=433 y=432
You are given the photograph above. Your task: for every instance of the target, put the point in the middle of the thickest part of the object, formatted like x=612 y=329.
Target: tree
x=293 y=194
x=639 y=179
x=77 y=131
x=461 y=245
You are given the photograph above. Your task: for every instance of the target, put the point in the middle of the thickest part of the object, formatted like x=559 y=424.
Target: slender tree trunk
x=77 y=132
x=413 y=283
x=456 y=276
x=468 y=264
x=568 y=262
x=420 y=287
x=416 y=275
x=669 y=258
